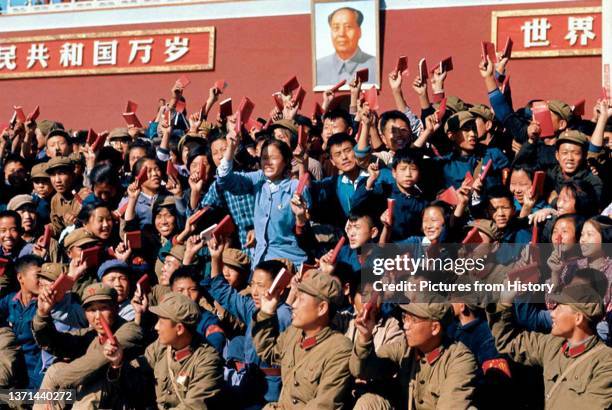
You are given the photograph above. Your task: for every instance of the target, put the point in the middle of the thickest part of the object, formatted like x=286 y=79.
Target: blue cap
x=113 y=264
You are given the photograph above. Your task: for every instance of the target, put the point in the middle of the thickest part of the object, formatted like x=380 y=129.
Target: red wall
x=256 y=55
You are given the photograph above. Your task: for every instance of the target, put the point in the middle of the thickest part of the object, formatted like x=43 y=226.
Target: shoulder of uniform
x=458 y=350
x=342 y=342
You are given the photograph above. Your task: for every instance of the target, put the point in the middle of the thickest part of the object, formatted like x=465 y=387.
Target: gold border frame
x=209 y=65
x=539 y=12
x=320 y=88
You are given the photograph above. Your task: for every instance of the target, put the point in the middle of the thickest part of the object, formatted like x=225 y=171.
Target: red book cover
x=131 y=119
x=225 y=108
x=91 y=256
x=19 y=114
x=171 y=171
x=423 y=75
x=534 y=234
x=281 y=281
x=318 y=110
x=245 y=109
x=121 y=210
x=225 y=228
x=202 y=170
x=337 y=86
x=605 y=94
x=486 y=170
x=390 y=206
x=145 y=284
x=578 y=109
x=507 y=53
x=371 y=97
x=488 y=49
x=505 y=88
x=363 y=75
x=441 y=110
x=62 y=285
x=253 y=124
x=3 y=263
x=98 y=142
x=46 y=241
x=131 y=106
x=183 y=81
x=91 y=137
x=537 y=187
x=142 y=176
x=302 y=137
x=339 y=245
x=290 y=85
x=34 y=114
x=180 y=106
x=469 y=179
x=302 y=183
x=298 y=98
x=371 y=304
x=193 y=219
x=134 y=239
x=402 y=65
x=449 y=196
x=446 y=65
x=107 y=331
x=278 y=101
x=473 y=236
x=542 y=115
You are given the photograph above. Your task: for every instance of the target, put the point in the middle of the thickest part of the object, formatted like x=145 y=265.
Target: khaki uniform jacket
x=83 y=348
x=198 y=376
x=385 y=331
x=587 y=386
x=10 y=361
x=314 y=376
x=60 y=206
x=441 y=381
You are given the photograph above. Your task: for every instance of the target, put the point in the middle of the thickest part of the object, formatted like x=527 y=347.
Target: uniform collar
x=575 y=351
x=432 y=356
x=182 y=354
x=308 y=343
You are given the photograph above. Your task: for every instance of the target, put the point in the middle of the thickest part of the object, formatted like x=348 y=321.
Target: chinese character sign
x=549 y=32
x=184 y=49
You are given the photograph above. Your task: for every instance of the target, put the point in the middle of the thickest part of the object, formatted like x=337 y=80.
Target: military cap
x=113 y=265
x=429 y=306
x=178 y=251
x=289 y=125
x=167 y=201
x=561 y=109
x=79 y=237
x=456 y=121
x=482 y=111
x=573 y=137
x=46 y=126
x=190 y=138
x=18 y=201
x=237 y=259
x=322 y=286
x=51 y=271
x=178 y=308
x=117 y=133
x=453 y=104
x=77 y=158
x=487 y=227
x=99 y=292
x=40 y=171
x=59 y=162
x=58 y=132
x=583 y=299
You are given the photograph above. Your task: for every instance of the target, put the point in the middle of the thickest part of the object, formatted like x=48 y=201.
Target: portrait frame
x=322 y=46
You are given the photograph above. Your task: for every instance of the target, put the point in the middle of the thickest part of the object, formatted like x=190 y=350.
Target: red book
x=302 y=183
x=473 y=236
x=298 y=98
x=225 y=108
x=91 y=137
x=131 y=106
x=446 y=65
x=220 y=85
x=251 y=123
x=363 y=75
x=290 y=85
x=469 y=179
x=449 y=196
x=238 y=125
x=142 y=176
x=527 y=273
x=62 y=285
x=402 y=65
x=122 y=209
x=537 y=187
x=578 y=109
x=180 y=106
x=278 y=101
x=225 y=228
x=98 y=142
x=167 y=116
x=131 y=119
x=486 y=169
x=371 y=97
x=46 y=241
x=605 y=94
x=507 y=53
x=390 y=206
x=488 y=49
x=534 y=234
x=280 y=282
x=193 y=219
x=145 y=284
x=302 y=137
x=183 y=81
x=542 y=115
x=207 y=234
x=171 y=171
x=202 y=170
x=318 y=110
x=245 y=109
x=134 y=239
x=423 y=75
x=34 y=114
x=371 y=304
x=337 y=86
x=3 y=263
x=359 y=129
x=505 y=88
x=441 y=110
x=19 y=114
x=339 y=245
x=107 y=331
x=91 y=256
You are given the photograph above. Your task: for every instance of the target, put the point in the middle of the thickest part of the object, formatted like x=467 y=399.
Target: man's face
x=105 y=191
x=61 y=179
x=406 y=175
x=418 y=331
x=154 y=174
x=120 y=282
x=121 y=145
x=165 y=222
x=260 y=283
x=482 y=127
x=135 y=155
x=563 y=321
x=569 y=157
x=194 y=167
x=58 y=146
x=187 y=287
x=564 y=232
x=42 y=187
x=9 y=233
x=15 y=173
x=566 y=202
x=28 y=279
x=232 y=276
x=466 y=137
x=333 y=126
x=28 y=218
x=501 y=210
x=306 y=310
x=218 y=148
x=520 y=184
x=171 y=264
x=167 y=331
x=396 y=134
x=343 y=156
x=95 y=310
x=345 y=33
x=359 y=232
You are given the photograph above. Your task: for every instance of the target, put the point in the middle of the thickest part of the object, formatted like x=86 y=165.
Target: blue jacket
x=326 y=206
x=209 y=328
x=243 y=308
x=477 y=336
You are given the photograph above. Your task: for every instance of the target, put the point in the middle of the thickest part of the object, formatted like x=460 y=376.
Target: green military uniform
x=189 y=378
x=575 y=377
x=82 y=239
x=84 y=349
x=440 y=379
x=62 y=204
x=10 y=360
x=314 y=369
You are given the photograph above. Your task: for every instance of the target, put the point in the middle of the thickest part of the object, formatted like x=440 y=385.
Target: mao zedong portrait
x=345 y=27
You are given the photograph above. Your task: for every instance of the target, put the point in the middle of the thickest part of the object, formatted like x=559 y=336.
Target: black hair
x=14 y=158
x=104 y=173
x=603 y=224
x=500 y=191
x=358 y=15
x=12 y=214
x=596 y=279
x=407 y=156
x=198 y=151
x=87 y=210
x=271 y=267
x=364 y=211
x=302 y=120
x=443 y=207
x=186 y=272
x=339 y=113
x=393 y=115
x=526 y=168
x=577 y=220
x=24 y=262
x=140 y=163
x=284 y=149
x=339 y=139
x=110 y=155
x=583 y=194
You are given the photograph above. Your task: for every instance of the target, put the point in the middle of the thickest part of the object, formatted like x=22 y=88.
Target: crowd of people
x=194 y=263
